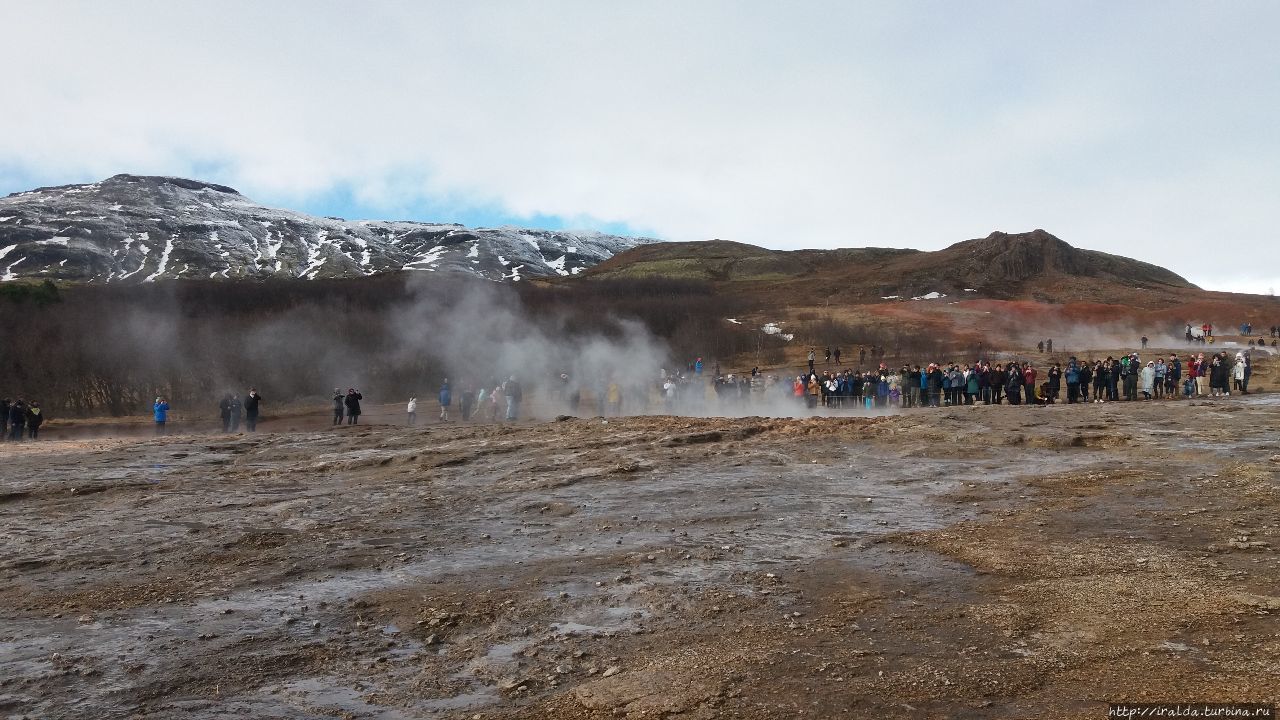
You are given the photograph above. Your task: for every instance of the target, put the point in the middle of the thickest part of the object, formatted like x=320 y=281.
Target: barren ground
x=984 y=562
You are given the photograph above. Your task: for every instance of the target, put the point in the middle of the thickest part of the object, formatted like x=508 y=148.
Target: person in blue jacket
x=161 y=410
x=446 y=399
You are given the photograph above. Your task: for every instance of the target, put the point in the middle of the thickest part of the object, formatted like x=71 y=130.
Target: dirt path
x=970 y=562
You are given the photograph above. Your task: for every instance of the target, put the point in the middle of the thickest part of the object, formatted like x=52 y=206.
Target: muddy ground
x=984 y=562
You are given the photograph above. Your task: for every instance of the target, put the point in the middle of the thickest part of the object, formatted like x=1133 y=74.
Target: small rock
x=611 y=671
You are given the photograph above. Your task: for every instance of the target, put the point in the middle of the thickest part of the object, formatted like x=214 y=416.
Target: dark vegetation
x=90 y=350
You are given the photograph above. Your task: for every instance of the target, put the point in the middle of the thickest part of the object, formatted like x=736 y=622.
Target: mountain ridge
x=138 y=228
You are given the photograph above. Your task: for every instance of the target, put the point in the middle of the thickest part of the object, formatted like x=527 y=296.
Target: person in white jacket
x=1148 y=379
x=1237 y=373
x=413 y=411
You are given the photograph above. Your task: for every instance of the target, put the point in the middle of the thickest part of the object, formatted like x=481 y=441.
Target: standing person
x=35 y=418
x=1248 y=372
x=1148 y=379
x=413 y=411
x=17 y=419
x=251 y=402
x=1073 y=381
x=827 y=355
x=811 y=359
x=514 y=395
x=1048 y=346
x=160 y=410
x=236 y=408
x=468 y=400
x=1144 y=342
x=446 y=399
x=338 y=405
x=352 y=403
x=224 y=411
x=1086 y=377
x=1054 y=384
x=838 y=354
x=4 y=419
x=1201 y=375
x=1029 y=386
x=1013 y=386
x=1237 y=373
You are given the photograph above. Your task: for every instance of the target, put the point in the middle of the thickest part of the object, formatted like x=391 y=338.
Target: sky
x=1142 y=129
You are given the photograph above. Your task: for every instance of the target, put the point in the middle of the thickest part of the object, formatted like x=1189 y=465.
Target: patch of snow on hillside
x=888 y=297
x=474 y=252
x=734 y=321
x=935 y=295
x=7 y=218
x=773 y=329
x=571 y=249
x=116 y=208
x=503 y=261
x=6 y=250
x=146 y=250
x=8 y=272
x=515 y=274
x=430 y=257
x=970 y=290
x=557 y=265
x=164 y=260
x=63 y=241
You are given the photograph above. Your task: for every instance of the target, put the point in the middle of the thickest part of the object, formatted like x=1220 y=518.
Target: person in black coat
x=35 y=418
x=352 y=401
x=224 y=411
x=17 y=419
x=4 y=418
x=251 y=408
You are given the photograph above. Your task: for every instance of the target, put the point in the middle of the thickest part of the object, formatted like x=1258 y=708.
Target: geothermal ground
x=978 y=562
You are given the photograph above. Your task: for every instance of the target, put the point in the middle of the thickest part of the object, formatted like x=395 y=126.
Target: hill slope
x=1004 y=266
x=132 y=228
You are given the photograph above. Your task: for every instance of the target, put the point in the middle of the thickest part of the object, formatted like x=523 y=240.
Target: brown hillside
x=1034 y=265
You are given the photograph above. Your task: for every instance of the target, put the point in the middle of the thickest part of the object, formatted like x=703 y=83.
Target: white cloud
x=1143 y=133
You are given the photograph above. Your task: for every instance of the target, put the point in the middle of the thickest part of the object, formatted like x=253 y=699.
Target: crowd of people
x=1021 y=382
x=20 y=420
x=484 y=402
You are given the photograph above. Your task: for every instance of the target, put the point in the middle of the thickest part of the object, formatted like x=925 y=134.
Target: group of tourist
x=485 y=404
x=1017 y=383
x=20 y=419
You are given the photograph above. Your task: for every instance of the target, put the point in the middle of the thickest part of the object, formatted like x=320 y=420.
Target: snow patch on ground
x=773 y=329
x=970 y=290
x=164 y=260
x=7 y=218
x=935 y=295
x=888 y=297
x=8 y=272
x=735 y=321
x=6 y=250
x=63 y=241
x=557 y=265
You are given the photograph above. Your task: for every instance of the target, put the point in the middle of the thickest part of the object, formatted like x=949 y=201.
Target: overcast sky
x=1146 y=129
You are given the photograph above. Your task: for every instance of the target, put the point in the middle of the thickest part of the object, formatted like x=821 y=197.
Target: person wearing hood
x=352 y=404
x=1237 y=373
x=35 y=418
x=160 y=409
x=413 y=411
x=338 y=405
x=1147 y=377
x=1013 y=386
x=446 y=399
x=1073 y=381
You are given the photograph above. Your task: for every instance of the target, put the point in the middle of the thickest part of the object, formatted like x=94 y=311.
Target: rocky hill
x=1034 y=265
x=131 y=228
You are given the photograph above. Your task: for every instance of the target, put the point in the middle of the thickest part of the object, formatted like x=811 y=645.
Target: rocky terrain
x=980 y=562
x=131 y=228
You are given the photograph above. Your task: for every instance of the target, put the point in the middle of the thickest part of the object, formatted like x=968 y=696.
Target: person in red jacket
x=1029 y=378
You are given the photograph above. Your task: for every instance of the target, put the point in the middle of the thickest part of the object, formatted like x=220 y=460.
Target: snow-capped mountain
x=131 y=228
